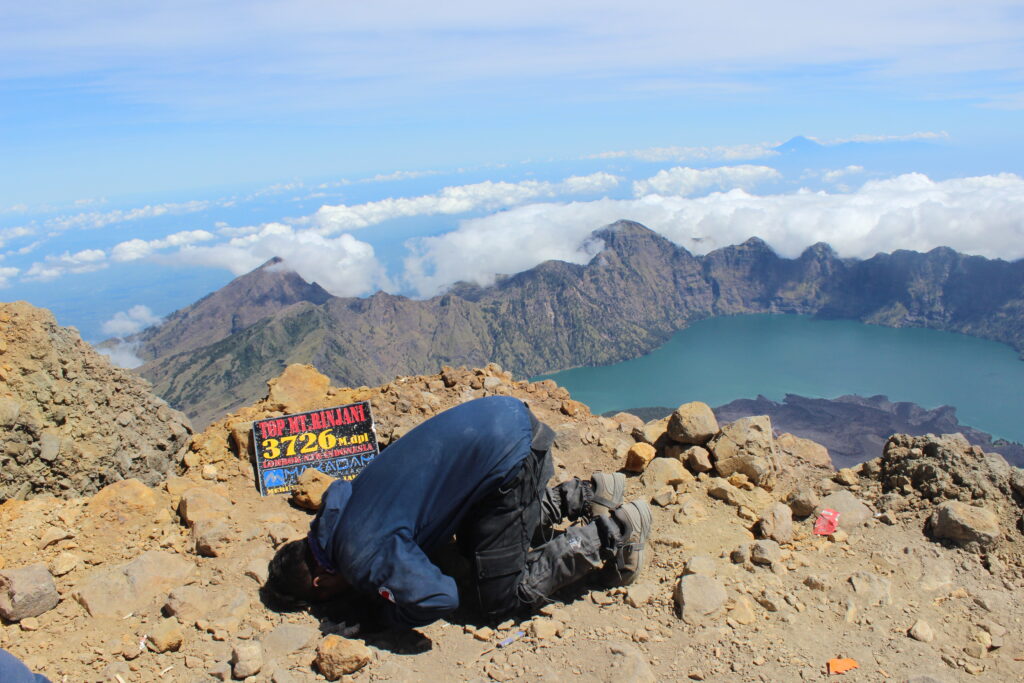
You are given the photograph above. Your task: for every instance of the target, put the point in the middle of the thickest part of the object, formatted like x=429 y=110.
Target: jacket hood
x=321 y=530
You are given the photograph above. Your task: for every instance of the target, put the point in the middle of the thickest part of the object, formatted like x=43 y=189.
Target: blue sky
x=151 y=151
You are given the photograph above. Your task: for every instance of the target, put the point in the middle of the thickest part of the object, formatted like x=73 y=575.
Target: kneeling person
x=478 y=471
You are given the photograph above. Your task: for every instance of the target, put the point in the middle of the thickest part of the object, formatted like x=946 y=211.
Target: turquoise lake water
x=722 y=359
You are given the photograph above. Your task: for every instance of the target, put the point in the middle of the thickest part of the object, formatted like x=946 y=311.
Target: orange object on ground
x=841 y=666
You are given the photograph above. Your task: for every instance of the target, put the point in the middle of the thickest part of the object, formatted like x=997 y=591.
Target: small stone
x=803 y=502
x=166 y=636
x=220 y=671
x=742 y=611
x=771 y=600
x=700 y=564
x=257 y=570
x=543 y=629
x=209 y=472
x=741 y=554
x=638 y=595
x=29 y=624
x=922 y=631
x=64 y=563
x=697 y=459
x=765 y=552
x=212 y=538
x=698 y=596
x=846 y=476
x=310 y=489
x=27 y=592
x=188 y=603
x=976 y=650
x=664 y=497
x=201 y=503
x=484 y=634
x=629 y=664
x=131 y=647
x=689 y=509
x=816 y=583
x=639 y=456
x=777 y=523
x=246 y=659
x=746 y=514
x=337 y=656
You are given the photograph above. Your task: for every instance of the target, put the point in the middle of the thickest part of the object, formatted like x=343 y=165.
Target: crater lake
x=722 y=359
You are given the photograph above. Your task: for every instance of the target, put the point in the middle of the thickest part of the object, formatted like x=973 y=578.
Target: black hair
x=289 y=574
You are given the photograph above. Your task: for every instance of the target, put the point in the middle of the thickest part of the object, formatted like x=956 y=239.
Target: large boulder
x=747 y=446
x=692 y=423
x=298 y=389
x=665 y=472
x=118 y=590
x=803 y=449
x=27 y=592
x=853 y=513
x=945 y=467
x=964 y=524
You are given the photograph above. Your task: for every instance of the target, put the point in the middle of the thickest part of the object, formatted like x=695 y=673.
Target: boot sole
x=639 y=514
x=616 y=482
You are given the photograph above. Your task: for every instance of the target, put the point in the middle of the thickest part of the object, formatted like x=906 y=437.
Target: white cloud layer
x=485 y=196
x=342 y=265
x=6 y=273
x=129 y=322
x=683 y=181
x=52 y=267
x=980 y=215
x=123 y=354
x=91 y=220
x=135 y=249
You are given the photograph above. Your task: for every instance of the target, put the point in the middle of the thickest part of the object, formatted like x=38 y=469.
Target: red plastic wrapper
x=827 y=522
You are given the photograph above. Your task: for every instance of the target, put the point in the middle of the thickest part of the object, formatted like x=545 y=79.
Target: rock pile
x=70 y=422
x=161 y=583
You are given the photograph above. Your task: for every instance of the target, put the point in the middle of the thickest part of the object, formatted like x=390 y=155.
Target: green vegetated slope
x=628 y=300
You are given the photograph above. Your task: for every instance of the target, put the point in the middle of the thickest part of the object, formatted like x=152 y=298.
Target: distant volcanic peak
x=798 y=144
x=626 y=234
x=819 y=250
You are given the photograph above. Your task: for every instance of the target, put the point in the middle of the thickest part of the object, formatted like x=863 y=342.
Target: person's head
x=295 y=577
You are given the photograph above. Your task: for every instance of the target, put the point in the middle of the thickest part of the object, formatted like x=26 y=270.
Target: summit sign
x=338 y=441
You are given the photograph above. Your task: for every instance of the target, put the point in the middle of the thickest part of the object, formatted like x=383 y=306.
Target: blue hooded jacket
x=376 y=530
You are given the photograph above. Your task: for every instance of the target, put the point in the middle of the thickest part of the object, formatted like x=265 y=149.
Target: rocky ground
x=922 y=580
x=70 y=422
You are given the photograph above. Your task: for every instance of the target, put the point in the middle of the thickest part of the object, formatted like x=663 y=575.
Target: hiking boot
x=631 y=556
x=609 y=490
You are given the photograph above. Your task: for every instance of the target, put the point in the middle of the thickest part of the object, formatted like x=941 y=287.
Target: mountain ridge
x=637 y=291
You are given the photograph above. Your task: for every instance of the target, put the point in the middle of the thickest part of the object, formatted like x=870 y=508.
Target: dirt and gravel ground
x=136 y=601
